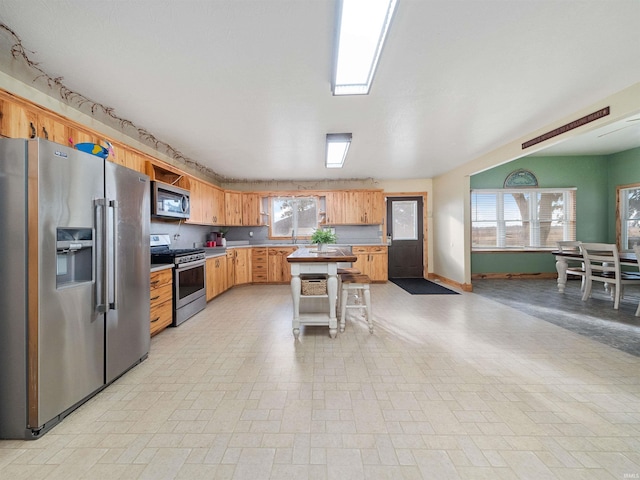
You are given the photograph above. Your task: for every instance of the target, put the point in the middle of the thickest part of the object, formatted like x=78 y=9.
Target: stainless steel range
x=189 y=287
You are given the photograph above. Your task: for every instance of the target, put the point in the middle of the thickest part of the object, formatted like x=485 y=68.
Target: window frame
x=272 y=235
x=622 y=235
x=569 y=227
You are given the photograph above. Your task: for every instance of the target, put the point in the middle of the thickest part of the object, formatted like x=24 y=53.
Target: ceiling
x=243 y=86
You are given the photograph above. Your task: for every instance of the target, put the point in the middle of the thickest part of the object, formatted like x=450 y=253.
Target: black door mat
x=420 y=286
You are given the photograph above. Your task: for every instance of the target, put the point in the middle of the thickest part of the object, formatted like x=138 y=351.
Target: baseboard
x=465 y=287
x=507 y=276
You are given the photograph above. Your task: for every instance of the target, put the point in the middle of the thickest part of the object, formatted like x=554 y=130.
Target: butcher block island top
x=312 y=255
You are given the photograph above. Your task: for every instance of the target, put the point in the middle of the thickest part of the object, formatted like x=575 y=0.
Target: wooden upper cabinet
x=217 y=206
x=80 y=135
x=355 y=207
x=17 y=120
x=376 y=208
x=207 y=203
x=196 y=196
x=335 y=203
x=252 y=209
x=233 y=208
x=50 y=128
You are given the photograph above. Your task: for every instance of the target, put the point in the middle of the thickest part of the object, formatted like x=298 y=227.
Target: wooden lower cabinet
x=242 y=260
x=372 y=261
x=259 y=265
x=216 y=276
x=161 y=297
x=279 y=269
x=231 y=269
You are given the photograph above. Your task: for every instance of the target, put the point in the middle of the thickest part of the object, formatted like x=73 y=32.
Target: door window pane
x=405 y=220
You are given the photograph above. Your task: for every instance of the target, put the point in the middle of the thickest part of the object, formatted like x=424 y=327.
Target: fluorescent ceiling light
x=363 y=26
x=337 y=148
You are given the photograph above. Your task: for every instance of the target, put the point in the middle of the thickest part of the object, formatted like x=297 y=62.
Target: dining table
x=563 y=257
x=317 y=309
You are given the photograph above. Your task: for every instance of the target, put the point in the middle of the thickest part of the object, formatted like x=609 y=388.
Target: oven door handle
x=195 y=263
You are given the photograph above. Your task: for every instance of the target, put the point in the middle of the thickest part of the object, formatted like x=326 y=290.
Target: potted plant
x=323 y=237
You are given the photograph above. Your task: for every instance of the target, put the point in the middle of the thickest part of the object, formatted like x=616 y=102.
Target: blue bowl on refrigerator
x=93 y=149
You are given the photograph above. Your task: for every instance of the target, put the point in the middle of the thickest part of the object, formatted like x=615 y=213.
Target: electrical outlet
x=251 y=234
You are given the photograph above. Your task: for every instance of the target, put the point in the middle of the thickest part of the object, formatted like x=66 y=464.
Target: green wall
x=595 y=178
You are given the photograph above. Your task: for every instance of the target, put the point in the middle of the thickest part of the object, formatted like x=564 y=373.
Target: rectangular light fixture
x=362 y=29
x=337 y=148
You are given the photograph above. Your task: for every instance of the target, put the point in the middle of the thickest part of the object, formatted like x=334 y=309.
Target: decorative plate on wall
x=520 y=178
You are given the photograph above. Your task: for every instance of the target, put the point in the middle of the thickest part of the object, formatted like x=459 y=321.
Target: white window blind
x=532 y=218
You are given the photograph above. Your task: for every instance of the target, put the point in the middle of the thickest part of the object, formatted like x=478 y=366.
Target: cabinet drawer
x=161 y=294
x=378 y=249
x=160 y=278
x=161 y=316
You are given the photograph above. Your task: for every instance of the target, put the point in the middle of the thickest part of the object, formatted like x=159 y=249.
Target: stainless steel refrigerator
x=74 y=280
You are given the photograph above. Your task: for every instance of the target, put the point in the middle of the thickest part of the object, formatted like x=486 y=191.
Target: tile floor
x=448 y=386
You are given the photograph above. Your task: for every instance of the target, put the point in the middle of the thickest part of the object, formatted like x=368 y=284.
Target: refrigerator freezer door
x=13 y=294
x=127 y=326
x=69 y=334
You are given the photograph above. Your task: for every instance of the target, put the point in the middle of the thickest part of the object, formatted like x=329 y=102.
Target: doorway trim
x=425 y=225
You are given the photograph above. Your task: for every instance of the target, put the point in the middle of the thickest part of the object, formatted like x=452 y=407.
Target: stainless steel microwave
x=168 y=201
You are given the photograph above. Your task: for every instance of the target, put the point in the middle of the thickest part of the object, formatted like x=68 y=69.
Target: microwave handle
x=184 y=204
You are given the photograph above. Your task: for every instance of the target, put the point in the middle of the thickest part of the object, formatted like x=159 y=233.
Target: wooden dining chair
x=575 y=267
x=602 y=264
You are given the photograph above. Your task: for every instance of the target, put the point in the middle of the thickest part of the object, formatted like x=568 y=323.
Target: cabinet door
x=135 y=161
x=197 y=198
x=217 y=206
x=231 y=270
x=221 y=275
x=233 y=208
x=378 y=267
x=211 y=278
x=242 y=266
x=362 y=263
x=251 y=209
x=17 y=121
x=285 y=266
x=51 y=129
x=79 y=135
x=354 y=211
x=376 y=208
x=335 y=207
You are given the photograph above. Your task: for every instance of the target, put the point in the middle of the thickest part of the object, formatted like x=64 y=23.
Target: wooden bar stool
x=359 y=284
x=342 y=271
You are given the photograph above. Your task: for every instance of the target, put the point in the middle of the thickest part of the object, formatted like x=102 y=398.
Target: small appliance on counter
x=189 y=287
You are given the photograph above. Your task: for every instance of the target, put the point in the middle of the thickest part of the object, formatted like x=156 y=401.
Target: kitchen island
x=316 y=309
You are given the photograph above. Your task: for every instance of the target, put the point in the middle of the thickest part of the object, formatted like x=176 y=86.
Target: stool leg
x=367 y=302
x=344 y=297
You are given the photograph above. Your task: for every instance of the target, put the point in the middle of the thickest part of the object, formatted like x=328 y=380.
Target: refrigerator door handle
x=114 y=259
x=100 y=206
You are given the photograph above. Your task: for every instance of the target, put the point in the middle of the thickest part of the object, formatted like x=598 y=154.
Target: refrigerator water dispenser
x=74 y=256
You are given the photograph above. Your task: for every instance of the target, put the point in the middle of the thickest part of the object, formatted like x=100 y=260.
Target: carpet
x=420 y=286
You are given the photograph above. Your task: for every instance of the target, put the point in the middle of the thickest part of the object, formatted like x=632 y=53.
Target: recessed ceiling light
x=362 y=29
x=337 y=148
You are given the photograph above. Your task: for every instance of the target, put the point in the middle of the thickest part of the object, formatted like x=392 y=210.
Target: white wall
x=451 y=191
